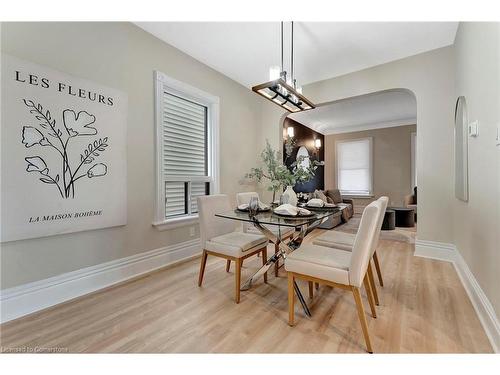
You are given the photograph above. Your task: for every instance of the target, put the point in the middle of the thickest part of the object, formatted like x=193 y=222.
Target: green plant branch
x=277 y=173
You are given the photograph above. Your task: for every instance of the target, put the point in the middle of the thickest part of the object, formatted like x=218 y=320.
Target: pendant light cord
x=281 y=46
x=291 y=60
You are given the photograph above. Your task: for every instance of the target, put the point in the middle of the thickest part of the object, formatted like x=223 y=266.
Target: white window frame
x=370 y=153
x=165 y=83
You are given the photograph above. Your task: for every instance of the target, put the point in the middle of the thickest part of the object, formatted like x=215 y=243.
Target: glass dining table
x=303 y=225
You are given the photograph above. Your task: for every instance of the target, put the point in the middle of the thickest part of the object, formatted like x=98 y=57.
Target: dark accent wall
x=305 y=136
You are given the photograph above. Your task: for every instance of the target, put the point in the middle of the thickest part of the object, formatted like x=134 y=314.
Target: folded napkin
x=262 y=206
x=315 y=202
x=289 y=210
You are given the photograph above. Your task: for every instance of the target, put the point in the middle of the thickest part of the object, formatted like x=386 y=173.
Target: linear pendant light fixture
x=282 y=91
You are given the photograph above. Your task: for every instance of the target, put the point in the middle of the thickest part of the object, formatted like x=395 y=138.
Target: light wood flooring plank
x=423 y=308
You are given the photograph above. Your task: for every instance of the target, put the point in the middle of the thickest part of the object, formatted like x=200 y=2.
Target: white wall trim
x=31 y=297
x=326 y=130
x=177 y=222
x=484 y=309
x=435 y=250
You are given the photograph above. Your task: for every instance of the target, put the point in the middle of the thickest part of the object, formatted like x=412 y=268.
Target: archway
x=387 y=119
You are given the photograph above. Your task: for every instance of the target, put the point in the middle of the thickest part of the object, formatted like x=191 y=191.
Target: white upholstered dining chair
x=345 y=241
x=220 y=238
x=281 y=231
x=338 y=268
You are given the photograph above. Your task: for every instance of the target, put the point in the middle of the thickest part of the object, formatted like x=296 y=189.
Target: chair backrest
x=242 y=198
x=210 y=225
x=384 y=201
x=363 y=243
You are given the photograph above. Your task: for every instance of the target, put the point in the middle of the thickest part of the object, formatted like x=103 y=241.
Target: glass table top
x=270 y=218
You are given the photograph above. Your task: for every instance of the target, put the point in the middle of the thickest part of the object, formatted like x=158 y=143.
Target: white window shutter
x=175 y=199
x=184 y=154
x=185 y=141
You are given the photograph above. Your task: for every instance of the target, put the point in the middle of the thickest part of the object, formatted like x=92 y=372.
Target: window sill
x=176 y=223
x=360 y=196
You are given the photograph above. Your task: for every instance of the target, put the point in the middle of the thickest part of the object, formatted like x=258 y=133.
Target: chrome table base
x=284 y=249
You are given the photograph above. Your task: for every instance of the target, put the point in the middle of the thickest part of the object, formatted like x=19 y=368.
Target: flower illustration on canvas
x=47 y=135
x=97 y=170
x=33 y=136
x=78 y=123
x=36 y=164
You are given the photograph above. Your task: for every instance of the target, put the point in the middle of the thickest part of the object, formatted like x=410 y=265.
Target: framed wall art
x=63 y=141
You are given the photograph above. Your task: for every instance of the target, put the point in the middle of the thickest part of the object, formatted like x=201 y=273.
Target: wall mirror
x=306 y=162
x=461 y=150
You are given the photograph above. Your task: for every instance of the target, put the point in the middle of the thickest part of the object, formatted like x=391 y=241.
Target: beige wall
x=430 y=76
x=477 y=222
x=122 y=56
x=391 y=162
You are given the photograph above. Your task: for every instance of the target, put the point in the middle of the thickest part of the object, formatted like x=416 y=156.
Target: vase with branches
x=277 y=174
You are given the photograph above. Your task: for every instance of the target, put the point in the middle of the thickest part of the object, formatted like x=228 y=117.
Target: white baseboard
x=481 y=303
x=435 y=250
x=31 y=297
x=484 y=309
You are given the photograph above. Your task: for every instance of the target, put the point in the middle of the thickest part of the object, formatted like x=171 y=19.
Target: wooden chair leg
x=369 y=295
x=372 y=283
x=202 y=267
x=264 y=261
x=276 y=265
x=237 y=280
x=228 y=265
x=316 y=285
x=291 y=300
x=362 y=318
x=311 y=289
x=377 y=267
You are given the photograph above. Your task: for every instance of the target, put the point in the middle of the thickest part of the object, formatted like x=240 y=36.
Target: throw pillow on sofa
x=334 y=195
x=320 y=195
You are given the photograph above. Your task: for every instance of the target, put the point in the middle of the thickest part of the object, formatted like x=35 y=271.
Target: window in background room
x=354 y=167
x=413 y=160
x=187 y=157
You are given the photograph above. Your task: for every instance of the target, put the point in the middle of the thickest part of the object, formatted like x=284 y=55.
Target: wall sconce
x=290 y=131
x=317 y=143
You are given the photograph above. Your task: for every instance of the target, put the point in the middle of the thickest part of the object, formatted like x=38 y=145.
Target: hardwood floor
x=423 y=308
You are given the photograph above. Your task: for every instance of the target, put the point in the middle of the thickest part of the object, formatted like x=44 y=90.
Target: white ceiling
x=244 y=51
x=373 y=111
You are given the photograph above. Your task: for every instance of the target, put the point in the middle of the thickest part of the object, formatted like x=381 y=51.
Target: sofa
x=334 y=196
